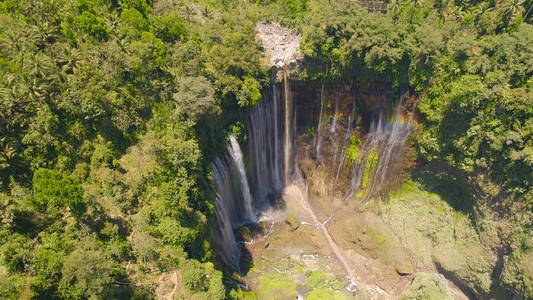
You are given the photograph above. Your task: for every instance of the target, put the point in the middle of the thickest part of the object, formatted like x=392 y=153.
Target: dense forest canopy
x=112 y=111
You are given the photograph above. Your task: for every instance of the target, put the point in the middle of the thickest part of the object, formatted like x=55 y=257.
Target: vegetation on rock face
x=429 y=227
x=428 y=286
x=111 y=111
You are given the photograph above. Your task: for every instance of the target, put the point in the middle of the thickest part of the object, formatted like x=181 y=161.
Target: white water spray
x=236 y=153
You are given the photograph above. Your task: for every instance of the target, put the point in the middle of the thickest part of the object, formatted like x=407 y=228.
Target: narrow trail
x=175 y=280
x=296 y=192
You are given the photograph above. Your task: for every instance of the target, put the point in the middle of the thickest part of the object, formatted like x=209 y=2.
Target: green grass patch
x=278 y=286
x=317 y=277
x=322 y=293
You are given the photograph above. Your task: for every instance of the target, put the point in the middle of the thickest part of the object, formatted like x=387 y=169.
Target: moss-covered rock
x=517 y=273
x=246 y=233
x=403 y=266
x=370 y=236
x=428 y=286
x=441 y=236
x=292 y=222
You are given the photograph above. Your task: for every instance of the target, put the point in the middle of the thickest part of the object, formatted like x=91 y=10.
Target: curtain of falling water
x=241 y=190
x=388 y=139
x=233 y=205
x=288 y=127
x=226 y=242
x=264 y=148
x=236 y=153
x=318 y=133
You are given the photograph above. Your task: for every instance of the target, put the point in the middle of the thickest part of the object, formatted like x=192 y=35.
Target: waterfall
x=264 y=147
x=393 y=137
x=233 y=205
x=288 y=126
x=387 y=139
x=345 y=144
x=246 y=190
x=343 y=151
x=228 y=248
x=231 y=190
x=333 y=126
x=236 y=153
x=241 y=191
x=276 y=135
x=319 y=127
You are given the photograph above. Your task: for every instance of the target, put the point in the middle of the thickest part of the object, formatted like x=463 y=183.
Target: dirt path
x=175 y=279
x=162 y=291
x=297 y=192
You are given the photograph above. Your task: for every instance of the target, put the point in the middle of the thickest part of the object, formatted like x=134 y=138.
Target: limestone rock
x=403 y=266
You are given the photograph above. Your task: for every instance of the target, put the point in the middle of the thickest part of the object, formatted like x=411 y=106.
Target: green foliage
x=364 y=43
x=105 y=107
x=48 y=262
x=16 y=252
x=168 y=27
x=11 y=285
x=86 y=273
x=202 y=278
x=517 y=273
x=135 y=22
x=322 y=293
x=249 y=93
x=171 y=232
x=352 y=153
x=195 y=98
x=55 y=190
x=92 y=24
x=277 y=287
x=370 y=167
x=111 y=111
x=317 y=277
x=148 y=53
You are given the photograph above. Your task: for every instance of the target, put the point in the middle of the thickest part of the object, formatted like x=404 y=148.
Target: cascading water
x=386 y=141
x=288 y=128
x=233 y=205
x=232 y=187
x=318 y=134
x=236 y=154
x=239 y=193
x=271 y=156
x=264 y=148
x=333 y=126
x=226 y=242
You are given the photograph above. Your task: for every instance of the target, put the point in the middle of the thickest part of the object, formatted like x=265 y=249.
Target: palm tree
x=394 y=7
x=12 y=41
x=511 y=9
x=69 y=59
x=442 y=8
x=414 y=5
x=39 y=73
